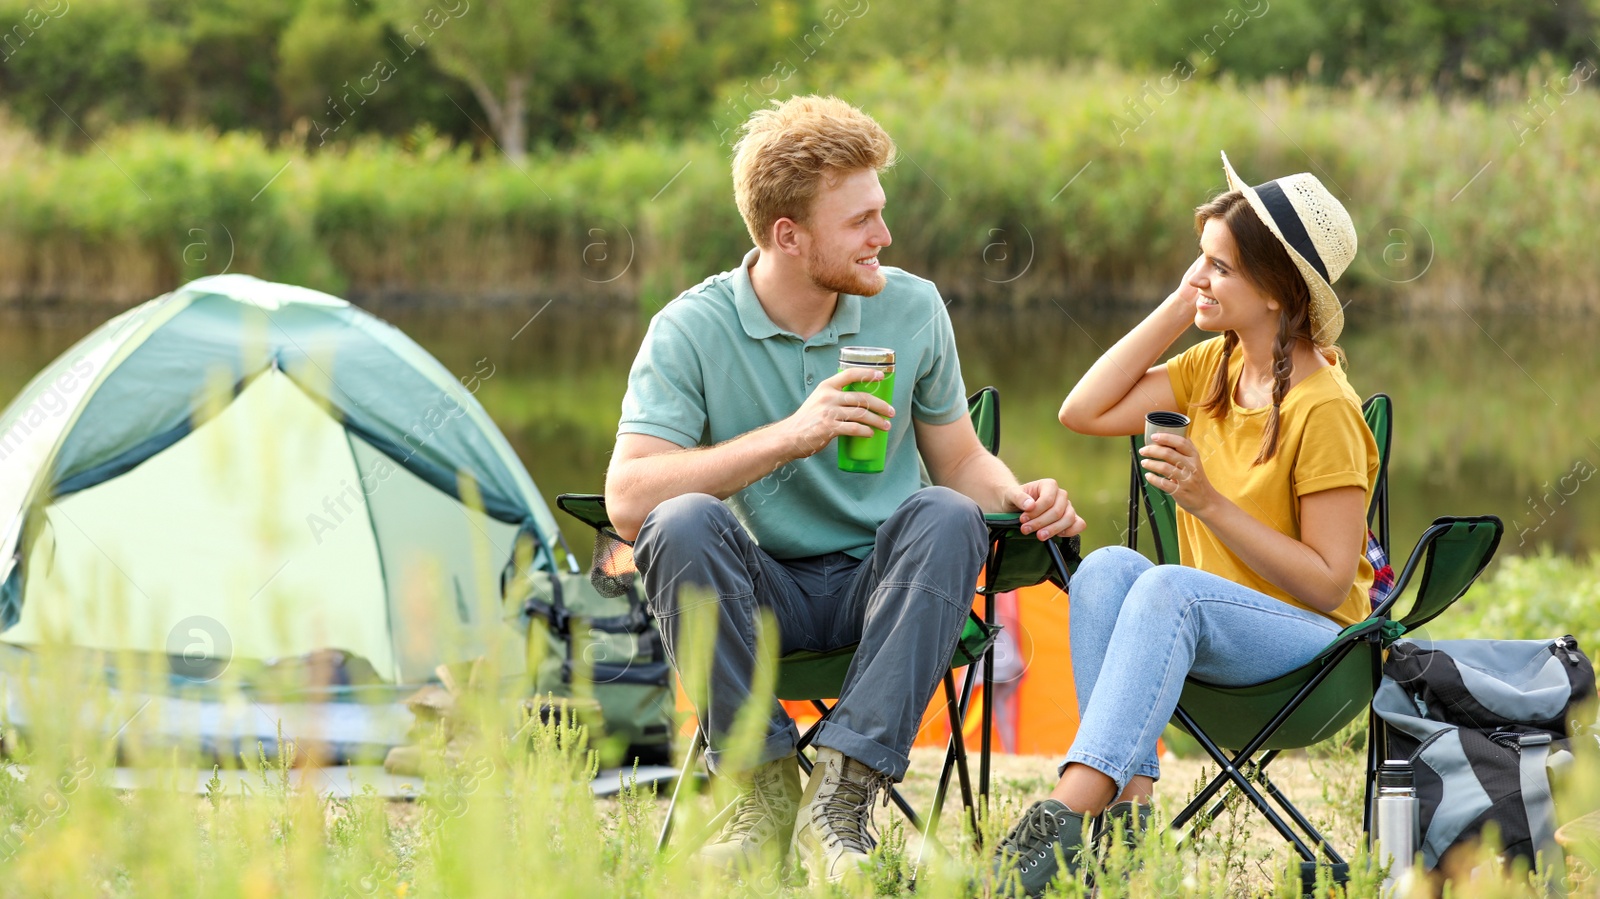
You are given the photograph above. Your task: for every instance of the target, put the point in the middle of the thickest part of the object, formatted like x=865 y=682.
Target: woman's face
x=1227 y=300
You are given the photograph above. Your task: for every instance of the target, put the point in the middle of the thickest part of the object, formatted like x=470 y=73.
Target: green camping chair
x=1313 y=702
x=1015 y=560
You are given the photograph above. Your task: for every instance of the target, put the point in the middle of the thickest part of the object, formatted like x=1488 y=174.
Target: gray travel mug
x=1165 y=423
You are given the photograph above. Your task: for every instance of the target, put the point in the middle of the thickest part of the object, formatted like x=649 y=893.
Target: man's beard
x=842 y=278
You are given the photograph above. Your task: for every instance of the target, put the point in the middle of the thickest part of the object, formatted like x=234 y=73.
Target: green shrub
x=1020 y=184
x=1530 y=597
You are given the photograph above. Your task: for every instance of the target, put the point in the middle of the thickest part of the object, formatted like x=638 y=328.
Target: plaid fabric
x=1382 y=571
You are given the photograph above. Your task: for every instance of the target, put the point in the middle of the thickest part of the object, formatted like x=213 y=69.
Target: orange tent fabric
x=1036 y=712
x=1036 y=708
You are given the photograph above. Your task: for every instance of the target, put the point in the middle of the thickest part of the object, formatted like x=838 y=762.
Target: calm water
x=1496 y=414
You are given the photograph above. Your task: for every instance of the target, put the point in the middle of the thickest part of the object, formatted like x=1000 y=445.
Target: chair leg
x=1310 y=862
x=959 y=704
x=1377 y=736
x=955 y=759
x=997 y=554
x=1230 y=772
x=912 y=818
x=1330 y=854
x=987 y=715
x=1203 y=821
x=1283 y=802
x=956 y=754
x=1289 y=808
x=1202 y=797
x=697 y=748
x=811 y=732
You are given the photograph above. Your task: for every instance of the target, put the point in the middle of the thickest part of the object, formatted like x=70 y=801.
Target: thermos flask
x=1395 y=823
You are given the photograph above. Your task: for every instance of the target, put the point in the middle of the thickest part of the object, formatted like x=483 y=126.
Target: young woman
x=1271 y=483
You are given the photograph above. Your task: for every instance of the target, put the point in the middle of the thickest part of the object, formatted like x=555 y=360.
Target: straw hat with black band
x=1316 y=230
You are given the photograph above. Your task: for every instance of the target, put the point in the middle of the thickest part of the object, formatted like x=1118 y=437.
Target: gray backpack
x=1480 y=721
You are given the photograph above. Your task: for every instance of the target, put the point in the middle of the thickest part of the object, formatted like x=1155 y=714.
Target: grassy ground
x=1242 y=844
x=505 y=816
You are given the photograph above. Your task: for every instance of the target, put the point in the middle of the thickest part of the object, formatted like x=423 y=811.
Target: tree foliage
x=523 y=58
x=1442 y=45
x=540 y=73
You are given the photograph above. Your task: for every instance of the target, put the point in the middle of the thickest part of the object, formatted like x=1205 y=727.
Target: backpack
x=587 y=645
x=1479 y=720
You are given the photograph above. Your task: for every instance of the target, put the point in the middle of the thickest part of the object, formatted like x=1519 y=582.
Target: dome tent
x=255 y=475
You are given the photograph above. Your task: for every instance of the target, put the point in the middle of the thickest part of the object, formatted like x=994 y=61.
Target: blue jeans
x=1139 y=629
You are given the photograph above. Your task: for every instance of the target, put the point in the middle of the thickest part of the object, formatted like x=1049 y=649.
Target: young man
x=720 y=471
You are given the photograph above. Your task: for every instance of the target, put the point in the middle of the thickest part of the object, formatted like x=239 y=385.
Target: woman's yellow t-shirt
x=1323 y=443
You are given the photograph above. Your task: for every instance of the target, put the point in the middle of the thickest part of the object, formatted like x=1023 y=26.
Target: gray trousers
x=905 y=604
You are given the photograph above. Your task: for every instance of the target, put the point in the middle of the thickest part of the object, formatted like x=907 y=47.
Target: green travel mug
x=866 y=454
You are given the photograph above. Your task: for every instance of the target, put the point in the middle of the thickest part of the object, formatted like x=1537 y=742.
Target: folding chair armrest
x=1004 y=522
x=611 y=568
x=1423 y=558
x=589 y=508
x=1379 y=623
x=1361 y=630
x=1059 y=558
x=1403 y=578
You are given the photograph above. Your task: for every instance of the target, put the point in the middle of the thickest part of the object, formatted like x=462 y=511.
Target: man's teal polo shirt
x=713 y=366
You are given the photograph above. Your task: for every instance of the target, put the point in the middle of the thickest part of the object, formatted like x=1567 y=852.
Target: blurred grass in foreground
x=506 y=814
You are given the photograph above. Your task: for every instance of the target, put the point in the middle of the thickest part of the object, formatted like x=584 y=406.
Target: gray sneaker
x=832 y=836
x=757 y=834
x=1030 y=850
x=1132 y=818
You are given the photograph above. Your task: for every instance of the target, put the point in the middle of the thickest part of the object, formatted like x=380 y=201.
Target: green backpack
x=587 y=646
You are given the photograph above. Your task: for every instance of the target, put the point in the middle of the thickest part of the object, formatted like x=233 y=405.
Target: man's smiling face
x=844 y=233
